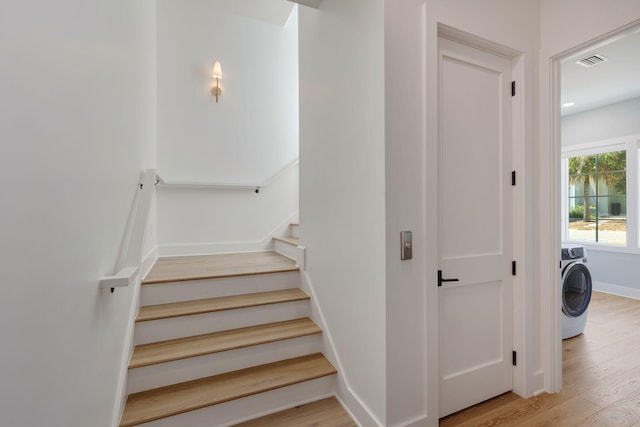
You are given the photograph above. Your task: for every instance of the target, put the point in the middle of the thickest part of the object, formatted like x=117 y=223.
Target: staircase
x=226 y=338
x=289 y=246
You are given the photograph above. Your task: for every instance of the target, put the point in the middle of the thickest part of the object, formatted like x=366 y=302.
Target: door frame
x=525 y=382
x=551 y=291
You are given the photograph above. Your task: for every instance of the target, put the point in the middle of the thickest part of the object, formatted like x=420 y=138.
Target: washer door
x=576 y=289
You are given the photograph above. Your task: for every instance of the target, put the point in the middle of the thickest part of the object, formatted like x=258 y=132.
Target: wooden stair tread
x=290 y=240
x=179 y=398
x=199 y=345
x=210 y=305
x=322 y=413
x=177 y=269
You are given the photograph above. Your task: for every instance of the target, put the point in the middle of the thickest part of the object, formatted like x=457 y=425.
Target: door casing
x=525 y=381
x=551 y=290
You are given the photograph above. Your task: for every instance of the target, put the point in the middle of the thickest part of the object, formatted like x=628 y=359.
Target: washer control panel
x=573 y=252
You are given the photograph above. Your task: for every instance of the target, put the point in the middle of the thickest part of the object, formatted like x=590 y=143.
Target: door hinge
x=514 y=358
x=513 y=268
x=513 y=88
x=513 y=177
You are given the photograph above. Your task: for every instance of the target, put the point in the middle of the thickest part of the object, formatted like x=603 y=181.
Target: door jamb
x=550 y=255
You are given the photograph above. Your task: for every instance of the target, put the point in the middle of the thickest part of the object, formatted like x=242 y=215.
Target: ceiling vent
x=591 y=60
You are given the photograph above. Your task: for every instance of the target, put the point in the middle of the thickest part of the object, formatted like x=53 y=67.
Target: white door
x=475 y=330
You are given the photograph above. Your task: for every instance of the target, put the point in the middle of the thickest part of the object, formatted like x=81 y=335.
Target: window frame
x=631 y=144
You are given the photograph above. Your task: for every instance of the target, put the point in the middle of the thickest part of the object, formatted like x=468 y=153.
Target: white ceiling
x=612 y=81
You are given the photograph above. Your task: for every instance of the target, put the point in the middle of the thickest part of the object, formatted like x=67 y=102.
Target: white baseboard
x=147 y=262
x=212 y=248
x=358 y=410
x=622 y=291
x=538 y=383
x=349 y=399
x=203 y=248
x=126 y=354
x=422 y=421
x=291 y=251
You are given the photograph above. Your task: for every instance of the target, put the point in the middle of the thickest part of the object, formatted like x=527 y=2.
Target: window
x=599 y=193
x=597 y=198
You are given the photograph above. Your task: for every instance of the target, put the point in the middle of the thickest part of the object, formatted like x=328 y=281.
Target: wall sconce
x=217 y=74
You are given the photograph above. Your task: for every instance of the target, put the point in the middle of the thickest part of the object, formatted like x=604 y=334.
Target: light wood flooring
x=188 y=396
x=326 y=412
x=220 y=265
x=216 y=342
x=210 y=305
x=601 y=378
x=189 y=393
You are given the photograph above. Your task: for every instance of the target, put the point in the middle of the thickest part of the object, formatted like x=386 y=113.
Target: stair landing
x=196 y=267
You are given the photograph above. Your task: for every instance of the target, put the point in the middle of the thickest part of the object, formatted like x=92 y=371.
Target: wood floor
x=176 y=399
x=210 y=305
x=601 y=378
x=216 y=342
x=220 y=265
x=183 y=339
x=327 y=413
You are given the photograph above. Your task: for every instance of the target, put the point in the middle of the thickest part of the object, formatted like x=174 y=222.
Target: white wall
x=249 y=135
x=331 y=208
x=511 y=23
x=405 y=209
x=614 y=272
x=599 y=124
x=587 y=20
x=197 y=221
x=77 y=115
x=342 y=185
x=253 y=130
x=611 y=271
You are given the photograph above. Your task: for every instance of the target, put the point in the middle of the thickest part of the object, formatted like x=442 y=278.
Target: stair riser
x=163 y=293
x=178 y=327
x=229 y=413
x=159 y=375
x=286 y=249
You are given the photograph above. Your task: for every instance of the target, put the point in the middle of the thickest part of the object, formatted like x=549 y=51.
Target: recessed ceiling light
x=568 y=104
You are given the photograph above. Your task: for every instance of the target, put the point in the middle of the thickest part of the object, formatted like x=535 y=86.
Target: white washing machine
x=576 y=290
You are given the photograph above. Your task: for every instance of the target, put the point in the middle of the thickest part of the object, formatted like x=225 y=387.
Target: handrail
x=128 y=264
x=229 y=186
